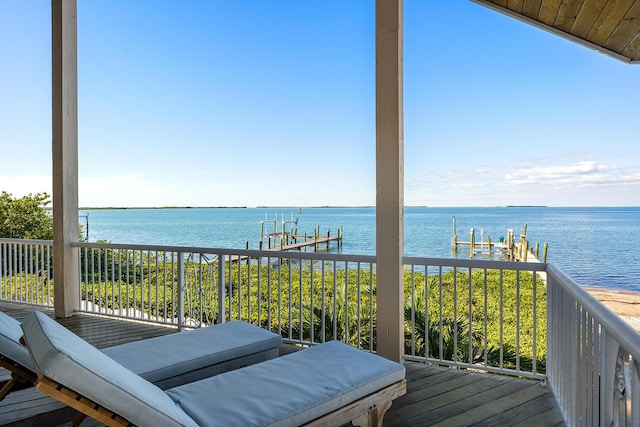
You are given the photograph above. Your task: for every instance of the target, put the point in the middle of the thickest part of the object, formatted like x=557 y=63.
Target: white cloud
x=19 y=186
x=580 y=173
x=543 y=181
x=129 y=189
x=567 y=180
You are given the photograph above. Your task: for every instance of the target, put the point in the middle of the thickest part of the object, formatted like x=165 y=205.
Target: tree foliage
x=25 y=217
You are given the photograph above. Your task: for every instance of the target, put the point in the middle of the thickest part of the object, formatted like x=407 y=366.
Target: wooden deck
x=451 y=397
x=435 y=396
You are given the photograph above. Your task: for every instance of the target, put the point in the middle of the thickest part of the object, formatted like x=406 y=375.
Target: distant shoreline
x=347 y=207
x=229 y=207
x=160 y=207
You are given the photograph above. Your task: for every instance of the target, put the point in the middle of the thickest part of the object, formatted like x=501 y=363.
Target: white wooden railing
x=582 y=350
x=496 y=322
x=26 y=271
x=592 y=357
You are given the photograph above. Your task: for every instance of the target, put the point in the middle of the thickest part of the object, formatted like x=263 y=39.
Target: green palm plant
x=449 y=340
x=339 y=318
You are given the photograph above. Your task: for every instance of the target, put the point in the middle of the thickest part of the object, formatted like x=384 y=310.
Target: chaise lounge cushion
x=290 y=390
x=286 y=391
x=64 y=357
x=172 y=359
x=177 y=354
x=10 y=347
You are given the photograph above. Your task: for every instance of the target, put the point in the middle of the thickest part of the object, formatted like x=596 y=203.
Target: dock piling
x=285 y=236
x=472 y=247
x=512 y=249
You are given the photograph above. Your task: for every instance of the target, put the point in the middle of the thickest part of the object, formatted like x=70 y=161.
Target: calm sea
x=597 y=246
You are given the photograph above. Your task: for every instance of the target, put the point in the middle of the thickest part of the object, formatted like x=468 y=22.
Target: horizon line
x=341 y=206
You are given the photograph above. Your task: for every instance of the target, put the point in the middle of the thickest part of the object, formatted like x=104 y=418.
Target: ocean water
x=597 y=246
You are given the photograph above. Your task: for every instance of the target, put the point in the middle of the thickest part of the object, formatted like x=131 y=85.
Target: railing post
x=221 y=289
x=609 y=348
x=181 y=319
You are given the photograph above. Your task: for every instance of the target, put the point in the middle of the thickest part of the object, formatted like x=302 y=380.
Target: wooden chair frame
x=19 y=376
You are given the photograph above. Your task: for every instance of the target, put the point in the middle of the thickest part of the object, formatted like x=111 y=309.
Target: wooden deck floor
x=439 y=396
x=435 y=396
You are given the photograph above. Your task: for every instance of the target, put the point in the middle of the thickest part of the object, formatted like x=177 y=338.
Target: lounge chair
x=167 y=361
x=328 y=384
x=14 y=356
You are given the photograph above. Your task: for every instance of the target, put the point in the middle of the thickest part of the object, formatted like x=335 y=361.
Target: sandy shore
x=625 y=304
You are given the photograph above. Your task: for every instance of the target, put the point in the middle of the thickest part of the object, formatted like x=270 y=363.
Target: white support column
x=389 y=179
x=65 y=155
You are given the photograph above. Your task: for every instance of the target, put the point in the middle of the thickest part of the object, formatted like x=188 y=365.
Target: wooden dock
x=313 y=241
x=513 y=249
x=284 y=236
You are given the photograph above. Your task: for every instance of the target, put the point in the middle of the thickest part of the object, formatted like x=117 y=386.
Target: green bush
x=25 y=217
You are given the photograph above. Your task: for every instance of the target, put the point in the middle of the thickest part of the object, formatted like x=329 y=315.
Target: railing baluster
x=335 y=300
x=38 y=291
x=427 y=320
x=323 y=323
x=300 y=309
x=371 y=311
x=180 y=284
x=518 y=320
x=290 y=337
x=485 y=318
x=157 y=288
x=111 y=266
x=440 y=325
x=239 y=287
x=312 y=338
x=27 y=272
x=128 y=283
x=20 y=259
x=413 y=310
x=16 y=277
x=534 y=305
x=501 y=284
x=149 y=285
x=358 y=306
x=259 y=298
x=221 y=289
x=455 y=315
x=346 y=303
x=164 y=279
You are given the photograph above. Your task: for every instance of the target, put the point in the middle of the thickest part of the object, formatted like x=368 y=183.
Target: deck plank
x=435 y=395
x=449 y=397
x=490 y=391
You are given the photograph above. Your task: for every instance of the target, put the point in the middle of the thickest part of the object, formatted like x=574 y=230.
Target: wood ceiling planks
x=612 y=26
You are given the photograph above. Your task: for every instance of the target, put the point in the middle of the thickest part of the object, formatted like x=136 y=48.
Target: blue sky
x=253 y=102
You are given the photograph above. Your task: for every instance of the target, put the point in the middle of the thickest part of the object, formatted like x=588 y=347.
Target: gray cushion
x=64 y=357
x=172 y=355
x=290 y=390
x=10 y=346
x=286 y=391
x=168 y=356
